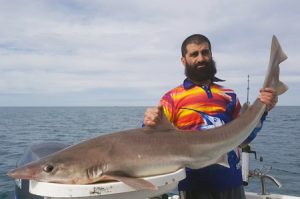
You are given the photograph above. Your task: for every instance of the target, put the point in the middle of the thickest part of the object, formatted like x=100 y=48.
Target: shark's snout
x=22 y=173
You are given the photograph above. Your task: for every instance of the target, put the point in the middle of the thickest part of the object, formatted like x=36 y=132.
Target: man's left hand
x=269 y=97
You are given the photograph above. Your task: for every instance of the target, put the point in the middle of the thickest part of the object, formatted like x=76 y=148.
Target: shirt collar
x=187 y=84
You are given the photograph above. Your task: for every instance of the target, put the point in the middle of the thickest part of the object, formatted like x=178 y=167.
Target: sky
x=127 y=52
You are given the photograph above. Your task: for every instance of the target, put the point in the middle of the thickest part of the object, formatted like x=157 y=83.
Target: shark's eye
x=48 y=168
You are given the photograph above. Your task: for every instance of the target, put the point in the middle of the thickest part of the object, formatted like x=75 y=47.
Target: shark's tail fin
x=276 y=57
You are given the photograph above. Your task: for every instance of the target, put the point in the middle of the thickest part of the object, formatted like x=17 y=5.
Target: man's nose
x=200 y=58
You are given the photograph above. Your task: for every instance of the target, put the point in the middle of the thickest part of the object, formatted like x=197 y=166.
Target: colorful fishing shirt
x=192 y=107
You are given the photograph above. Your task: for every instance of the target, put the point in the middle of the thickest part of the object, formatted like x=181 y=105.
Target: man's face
x=198 y=62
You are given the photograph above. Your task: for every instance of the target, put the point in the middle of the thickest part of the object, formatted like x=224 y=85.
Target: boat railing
x=262 y=174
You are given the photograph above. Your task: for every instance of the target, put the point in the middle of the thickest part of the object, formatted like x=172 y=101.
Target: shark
x=130 y=155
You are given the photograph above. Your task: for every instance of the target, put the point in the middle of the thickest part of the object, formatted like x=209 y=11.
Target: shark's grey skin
x=128 y=156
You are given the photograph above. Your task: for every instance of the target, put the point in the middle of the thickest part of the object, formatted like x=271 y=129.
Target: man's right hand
x=153 y=115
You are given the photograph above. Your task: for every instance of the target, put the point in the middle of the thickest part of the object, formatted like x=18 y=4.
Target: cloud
x=58 y=47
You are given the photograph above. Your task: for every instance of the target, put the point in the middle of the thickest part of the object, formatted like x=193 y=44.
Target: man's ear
x=183 y=61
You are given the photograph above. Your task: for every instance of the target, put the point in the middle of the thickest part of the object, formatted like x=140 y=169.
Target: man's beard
x=206 y=72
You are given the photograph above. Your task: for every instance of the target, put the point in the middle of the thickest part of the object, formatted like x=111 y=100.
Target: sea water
x=20 y=127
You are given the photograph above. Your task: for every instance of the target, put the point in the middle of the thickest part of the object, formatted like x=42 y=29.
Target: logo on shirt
x=210 y=121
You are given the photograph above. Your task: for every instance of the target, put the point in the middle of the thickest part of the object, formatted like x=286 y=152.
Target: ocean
x=20 y=127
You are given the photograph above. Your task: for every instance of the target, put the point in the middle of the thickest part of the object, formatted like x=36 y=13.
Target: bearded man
x=201 y=103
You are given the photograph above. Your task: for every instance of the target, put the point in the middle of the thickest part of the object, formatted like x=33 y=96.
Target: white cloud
x=63 y=46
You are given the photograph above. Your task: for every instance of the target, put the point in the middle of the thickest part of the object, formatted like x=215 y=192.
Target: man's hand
x=269 y=97
x=153 y=115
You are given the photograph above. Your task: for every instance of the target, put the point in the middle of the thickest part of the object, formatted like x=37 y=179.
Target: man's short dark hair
x=194 y=39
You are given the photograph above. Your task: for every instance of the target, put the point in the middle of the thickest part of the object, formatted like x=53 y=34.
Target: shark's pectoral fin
x=223 y=160
x=136 y=183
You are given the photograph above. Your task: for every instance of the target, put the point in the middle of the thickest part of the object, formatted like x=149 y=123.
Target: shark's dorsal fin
x=244 y=108
x=136 y=183
x=164 y=123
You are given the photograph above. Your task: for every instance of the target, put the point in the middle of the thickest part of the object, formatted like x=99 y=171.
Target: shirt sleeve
x=237 y=108
x=168 y=107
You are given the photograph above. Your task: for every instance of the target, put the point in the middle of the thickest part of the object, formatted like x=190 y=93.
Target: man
x=200 y=103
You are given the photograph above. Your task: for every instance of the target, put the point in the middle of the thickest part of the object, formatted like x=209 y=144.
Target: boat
x=167 y=183
x=262 y=174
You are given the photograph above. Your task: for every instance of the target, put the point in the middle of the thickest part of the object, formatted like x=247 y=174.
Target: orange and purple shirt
x=194 y=108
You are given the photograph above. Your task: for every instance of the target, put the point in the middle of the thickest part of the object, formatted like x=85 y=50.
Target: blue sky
x=116 y=53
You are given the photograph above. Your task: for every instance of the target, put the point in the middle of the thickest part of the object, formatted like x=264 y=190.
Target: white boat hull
x=250 y=195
